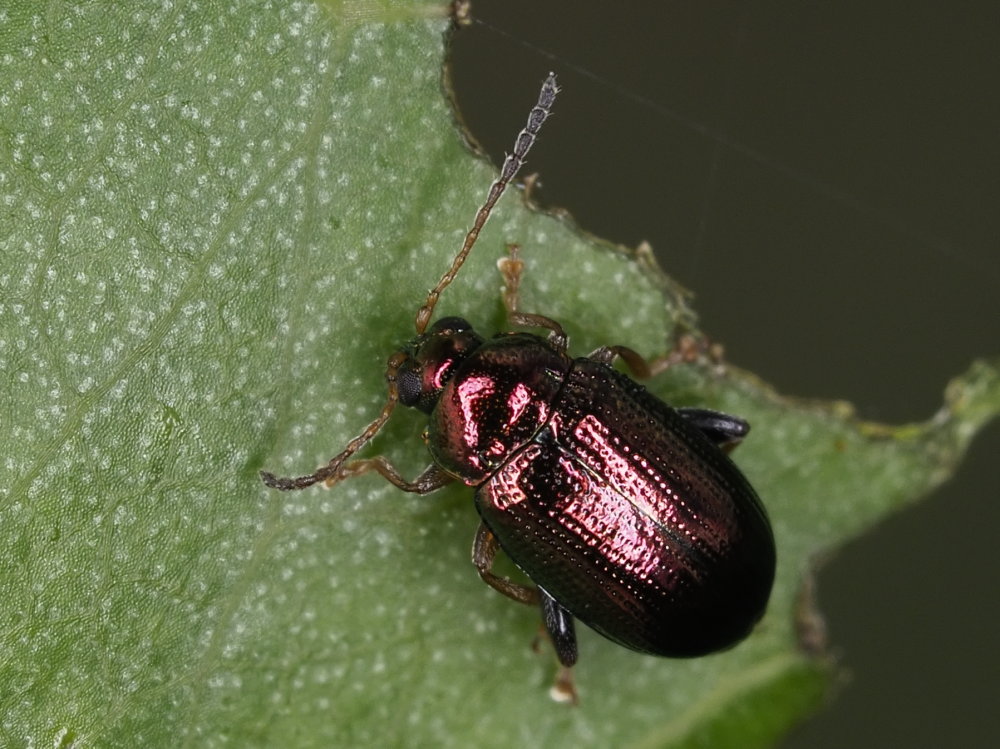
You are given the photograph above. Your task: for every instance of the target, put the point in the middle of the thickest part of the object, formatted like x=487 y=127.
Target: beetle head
x=429 y=361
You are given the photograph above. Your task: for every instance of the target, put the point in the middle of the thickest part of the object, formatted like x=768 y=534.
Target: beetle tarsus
x=564 y=687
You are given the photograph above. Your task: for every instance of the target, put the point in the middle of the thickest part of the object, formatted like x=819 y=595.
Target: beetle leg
x=511 y=268
x=687 y=350
x=556 y=620
x=484 y=551
x=559 y=626
x=430 y=479
x=558 y=623
x=564 y=688
x=637 y=365
x=724 y=430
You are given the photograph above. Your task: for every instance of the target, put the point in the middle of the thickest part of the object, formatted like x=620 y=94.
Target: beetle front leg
x=484 y=551
x=511 y=268
x=430 y=479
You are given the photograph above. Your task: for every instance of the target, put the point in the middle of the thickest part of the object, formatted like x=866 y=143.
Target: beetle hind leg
x=557 y=622
x=724 y=430
x=558 y=625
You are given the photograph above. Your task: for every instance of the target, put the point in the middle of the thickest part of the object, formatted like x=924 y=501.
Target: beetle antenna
x=331 y=472
x=511 y=165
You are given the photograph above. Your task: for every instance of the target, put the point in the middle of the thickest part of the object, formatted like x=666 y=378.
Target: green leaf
x=216 y=223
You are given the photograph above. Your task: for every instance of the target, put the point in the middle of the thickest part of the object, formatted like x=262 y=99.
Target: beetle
x=625 y=513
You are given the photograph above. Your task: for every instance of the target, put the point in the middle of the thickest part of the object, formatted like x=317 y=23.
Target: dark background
x=826 y=178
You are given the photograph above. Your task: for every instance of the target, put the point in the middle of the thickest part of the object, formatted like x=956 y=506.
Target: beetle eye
x=452 y=324
x=409 y=387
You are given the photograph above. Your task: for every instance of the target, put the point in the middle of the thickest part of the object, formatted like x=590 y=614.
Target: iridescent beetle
x=625 y=513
